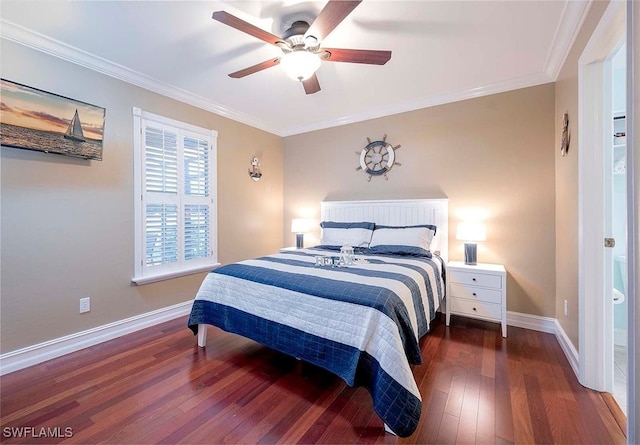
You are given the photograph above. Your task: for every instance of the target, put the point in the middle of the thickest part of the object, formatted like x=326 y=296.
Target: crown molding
x=32 y=39
x=571 y=20
x=425 y=102
x=573 y=16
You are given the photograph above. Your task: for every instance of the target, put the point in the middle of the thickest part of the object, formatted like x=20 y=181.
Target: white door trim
x=595 y=323
x=633 y=216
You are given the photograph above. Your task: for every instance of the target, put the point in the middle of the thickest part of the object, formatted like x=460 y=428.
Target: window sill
x=146 y=279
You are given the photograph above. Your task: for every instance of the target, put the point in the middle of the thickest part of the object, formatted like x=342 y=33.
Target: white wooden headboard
x=397 y=212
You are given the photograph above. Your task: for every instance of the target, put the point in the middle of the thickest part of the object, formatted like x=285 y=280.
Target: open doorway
x=615 y=184
x=595 y=179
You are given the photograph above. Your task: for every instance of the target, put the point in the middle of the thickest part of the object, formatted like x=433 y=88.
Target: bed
x=362 y=321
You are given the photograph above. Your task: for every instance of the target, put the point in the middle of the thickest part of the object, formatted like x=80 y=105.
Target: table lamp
x=469 y=232
x=299 y=226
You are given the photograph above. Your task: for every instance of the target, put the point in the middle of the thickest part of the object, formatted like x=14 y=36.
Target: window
x=175 y=195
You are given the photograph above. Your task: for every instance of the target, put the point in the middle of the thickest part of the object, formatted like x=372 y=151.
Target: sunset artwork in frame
x=34 y=119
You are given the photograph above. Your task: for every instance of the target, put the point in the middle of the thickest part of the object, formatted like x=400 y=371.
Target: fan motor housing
x=295 y=34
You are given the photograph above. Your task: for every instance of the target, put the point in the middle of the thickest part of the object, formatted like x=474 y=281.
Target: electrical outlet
x=85 y=305
x=566 y=308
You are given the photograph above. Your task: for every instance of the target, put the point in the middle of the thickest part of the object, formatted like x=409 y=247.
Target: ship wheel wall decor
x=377 y=158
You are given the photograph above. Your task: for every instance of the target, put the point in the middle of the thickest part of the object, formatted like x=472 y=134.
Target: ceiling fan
x=300 y=44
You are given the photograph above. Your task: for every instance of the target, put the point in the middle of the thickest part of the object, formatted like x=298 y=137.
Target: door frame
x=633 y=217
x=595 y=312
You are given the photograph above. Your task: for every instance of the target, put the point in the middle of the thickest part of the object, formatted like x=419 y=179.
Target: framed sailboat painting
x=34 y=119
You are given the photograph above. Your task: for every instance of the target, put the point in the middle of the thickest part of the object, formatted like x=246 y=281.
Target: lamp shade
x=471 y=231
x=299 y=225
x=300 y=65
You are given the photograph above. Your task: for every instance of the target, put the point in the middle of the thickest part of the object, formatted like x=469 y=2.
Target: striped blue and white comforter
x=361 y=322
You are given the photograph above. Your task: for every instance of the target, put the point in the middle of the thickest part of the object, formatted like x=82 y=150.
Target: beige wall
x=566 y=195
x=495 y=153
x=67 y=224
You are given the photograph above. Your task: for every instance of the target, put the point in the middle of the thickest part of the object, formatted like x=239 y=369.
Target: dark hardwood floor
x=157 y=386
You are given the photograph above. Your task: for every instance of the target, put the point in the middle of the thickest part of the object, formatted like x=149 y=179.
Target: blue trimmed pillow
x=337 y=234
x=404 y=240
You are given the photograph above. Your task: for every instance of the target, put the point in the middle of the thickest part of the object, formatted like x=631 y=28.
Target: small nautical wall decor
x=377 y=158
x=566 y=137
x=34 y=119
x=254 y=171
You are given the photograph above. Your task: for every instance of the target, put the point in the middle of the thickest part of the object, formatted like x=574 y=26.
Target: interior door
x=609 y=237
x=615 y=226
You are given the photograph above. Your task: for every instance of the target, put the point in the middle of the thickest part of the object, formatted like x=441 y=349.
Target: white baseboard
x=32 y=355
x=533 y=322
x=569 y=350
x=548 y=325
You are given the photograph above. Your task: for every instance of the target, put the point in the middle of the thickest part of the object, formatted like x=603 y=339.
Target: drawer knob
x=475 y=295
x=473 y=279
x=475 y=309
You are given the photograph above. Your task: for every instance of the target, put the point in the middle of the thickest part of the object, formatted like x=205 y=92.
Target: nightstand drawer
x=476 y=308
x=476 y=293
x=475 y=279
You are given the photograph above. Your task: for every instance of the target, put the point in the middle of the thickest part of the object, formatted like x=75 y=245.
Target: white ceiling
x=443 y=51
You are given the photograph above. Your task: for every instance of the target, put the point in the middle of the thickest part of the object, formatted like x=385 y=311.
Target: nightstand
x=478 y=291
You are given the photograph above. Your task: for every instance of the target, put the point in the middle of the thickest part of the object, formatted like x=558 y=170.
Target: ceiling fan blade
x=255 y=68
x=311 y=85
x=370 y=56
x=241 y=25
x=331 y=15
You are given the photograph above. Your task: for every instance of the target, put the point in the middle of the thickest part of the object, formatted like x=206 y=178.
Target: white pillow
x=338 y=234
x=405 y=240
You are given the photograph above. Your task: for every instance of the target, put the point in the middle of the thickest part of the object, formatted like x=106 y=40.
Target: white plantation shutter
x=176 y=217
x=196 y=231
x=161 y=227
x=196 y=167
x=161 y=160
x=196 y=188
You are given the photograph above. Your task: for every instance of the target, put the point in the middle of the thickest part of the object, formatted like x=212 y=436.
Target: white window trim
x=144 y=275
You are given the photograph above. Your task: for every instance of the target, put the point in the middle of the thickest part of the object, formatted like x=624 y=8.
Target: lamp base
x=470 y=254
x=299 y=240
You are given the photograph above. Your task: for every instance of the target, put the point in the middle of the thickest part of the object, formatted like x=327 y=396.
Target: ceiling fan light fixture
x=301 y=43
x=300 y=65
